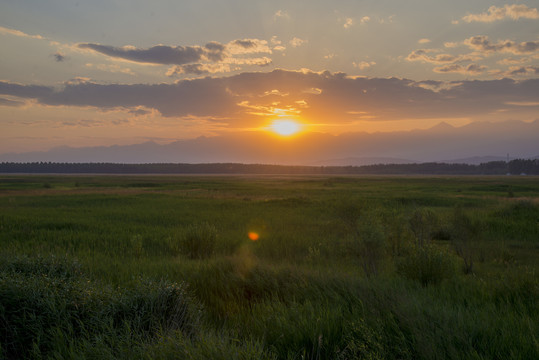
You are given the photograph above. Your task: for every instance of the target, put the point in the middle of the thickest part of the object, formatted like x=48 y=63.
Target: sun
x=285 y=127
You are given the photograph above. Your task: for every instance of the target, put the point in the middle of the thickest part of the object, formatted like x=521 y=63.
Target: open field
x=297 y=267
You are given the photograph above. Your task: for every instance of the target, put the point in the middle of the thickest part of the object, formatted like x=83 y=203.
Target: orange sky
x=335 y=67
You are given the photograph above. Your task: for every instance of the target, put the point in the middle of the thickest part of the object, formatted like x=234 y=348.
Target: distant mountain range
x=473 y=144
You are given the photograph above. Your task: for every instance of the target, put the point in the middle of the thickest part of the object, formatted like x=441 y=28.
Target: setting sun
x=285 y=127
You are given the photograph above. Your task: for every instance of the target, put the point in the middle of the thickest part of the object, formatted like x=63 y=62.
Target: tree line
x=513 y=167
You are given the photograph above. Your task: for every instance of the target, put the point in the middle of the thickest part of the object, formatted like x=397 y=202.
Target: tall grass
x=48 y=305
x=344 y=268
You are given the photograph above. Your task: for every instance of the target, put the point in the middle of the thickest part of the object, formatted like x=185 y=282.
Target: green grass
x=344 y=267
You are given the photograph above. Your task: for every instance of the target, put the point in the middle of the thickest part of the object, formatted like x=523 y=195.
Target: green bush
x=199 y=240
x=368 y=245
x=44 y=309
x=423 y=223
x=427 y=264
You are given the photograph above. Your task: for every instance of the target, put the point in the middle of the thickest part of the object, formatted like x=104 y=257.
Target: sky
x=102 y=73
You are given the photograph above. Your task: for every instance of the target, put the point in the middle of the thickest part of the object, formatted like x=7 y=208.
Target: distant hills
x=471 y=144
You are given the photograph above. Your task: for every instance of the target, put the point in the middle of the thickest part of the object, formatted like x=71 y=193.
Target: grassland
x=343 y=268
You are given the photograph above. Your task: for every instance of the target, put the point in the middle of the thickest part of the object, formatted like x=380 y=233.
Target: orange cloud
x=494 y=13
x=8 y=31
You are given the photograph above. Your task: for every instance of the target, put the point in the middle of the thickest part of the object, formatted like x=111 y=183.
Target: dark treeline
x=514 y=167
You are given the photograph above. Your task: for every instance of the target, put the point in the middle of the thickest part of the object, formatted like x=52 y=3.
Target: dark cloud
x=215 y=51
x=8 y=102
x=247 y=43
x=198 y=69
x=483 y=44
x=422 y=55
x=160 y=54
x=181 y=55
x=139 y=112
x=24 y=91
x=471 y=69
x=523 y=70
x=201 y=97
x=59 y=57
x=338 y=98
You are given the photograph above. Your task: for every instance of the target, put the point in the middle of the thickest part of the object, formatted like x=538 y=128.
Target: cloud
x=297 y=42
x=365 y=19
x=319 y=97
x=8 y=102
x=228 y=65
x=7 y=31
x=481 y=47
x=25 y=91
x=424 y=41
x=58 y=57
x=113 y=68
x=494 y=13
x=483 y=44
x=363 y=64
x=281 y=14
x=247 y=46
x=471 y=69
x=160 y=54
x=513 y=61
x=388 y=20
x=211 y=58
x=422 y=55
x=139 y=112
x=348 y=23
x=522 y=71
x=199 y=69
x=522 y=103
x=78 y=80
x=259 y=61
x=82 y=123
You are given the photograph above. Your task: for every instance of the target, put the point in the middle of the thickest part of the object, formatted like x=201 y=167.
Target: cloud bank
x=494 y=13
x=324 y=97
x=211 y=58
x=160 y=54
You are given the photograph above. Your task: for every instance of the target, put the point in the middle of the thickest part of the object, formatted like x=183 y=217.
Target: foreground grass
x=344 y=268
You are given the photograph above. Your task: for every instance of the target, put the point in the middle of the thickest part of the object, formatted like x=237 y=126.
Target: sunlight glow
x=285 y=127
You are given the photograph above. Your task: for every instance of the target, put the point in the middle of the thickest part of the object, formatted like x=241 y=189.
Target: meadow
x=269 y=267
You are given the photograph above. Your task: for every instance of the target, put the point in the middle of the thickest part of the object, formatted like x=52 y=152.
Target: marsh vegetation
x=166 y=267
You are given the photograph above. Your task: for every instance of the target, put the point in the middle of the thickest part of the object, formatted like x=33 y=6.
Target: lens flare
x=253 y=236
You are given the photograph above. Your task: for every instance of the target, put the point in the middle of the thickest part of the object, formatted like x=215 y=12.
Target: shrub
x=369 y=246
x=423 y=223
x=427 y=264
x=464 y=230
x=365 y=238
x=199 y=240
x=48 y=308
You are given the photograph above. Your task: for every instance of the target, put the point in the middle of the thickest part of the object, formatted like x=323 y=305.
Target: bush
x=423 y=224
x=366 y=238
x=369 y=245
x=427 y=264
x=46 y=311
x=199 y=240
x=464 y=231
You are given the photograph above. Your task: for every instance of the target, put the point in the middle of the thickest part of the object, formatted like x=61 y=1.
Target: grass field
x=186 y=267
